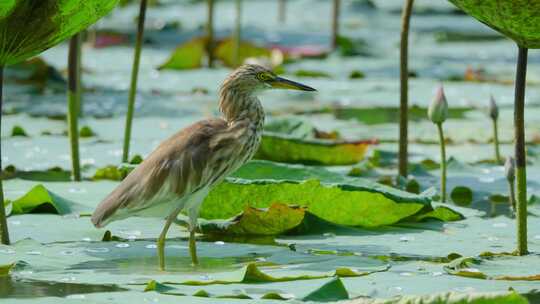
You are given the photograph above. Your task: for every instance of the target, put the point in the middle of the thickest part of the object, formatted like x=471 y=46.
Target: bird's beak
x=282 y=83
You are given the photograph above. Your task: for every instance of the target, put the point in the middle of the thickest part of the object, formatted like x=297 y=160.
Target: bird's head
x=250 y=78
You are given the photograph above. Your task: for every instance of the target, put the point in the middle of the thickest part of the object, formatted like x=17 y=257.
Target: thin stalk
x=443 y=162
x=79 y=75
x=496 y=141
x=519 y=129
x=335 y=23
x=404 y=87
x=73 y=105
x=282 y=11
x=512 y=194
x=3 y=222
x=134 y=77
x=237 y=33
x=210 y=33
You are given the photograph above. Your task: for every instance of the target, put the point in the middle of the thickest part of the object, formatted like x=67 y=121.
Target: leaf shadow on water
x=14 y=288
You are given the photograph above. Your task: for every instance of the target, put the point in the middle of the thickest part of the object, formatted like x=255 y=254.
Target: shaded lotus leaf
x=41 y=200
x=188 y=55
x=462 y=196
x=55 y=174
x=497 y=267
x=36 y=72
x=225 y=52
x=299 y=128
x=30 y=27
x=329 y=196
x=519 y=20
x=289 y=149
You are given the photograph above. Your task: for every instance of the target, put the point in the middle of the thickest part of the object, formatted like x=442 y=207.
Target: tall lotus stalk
x=282 y=11
x=73 y=104
x=237 y=33
x=335 y=23
x=3 y=222
x=437 y=113
x=494 y=115
x=510 y=172
x=404 y=87
x=519 y=134
x=210 y=33
x=79 y=76
x=134 y=78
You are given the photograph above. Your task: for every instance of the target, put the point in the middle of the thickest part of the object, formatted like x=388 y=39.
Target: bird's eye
x=264 y=76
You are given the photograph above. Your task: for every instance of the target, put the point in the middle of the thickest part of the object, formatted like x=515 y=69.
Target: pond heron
x=178 y=175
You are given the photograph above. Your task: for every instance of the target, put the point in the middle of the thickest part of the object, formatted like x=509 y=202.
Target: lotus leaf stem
x=404 y=87
x=73 y=104
x=134 y=78
x=496 y=141
x=210 y=33
x=335 y=23
x=3 y=222
x=519 y=129
x=237 y=33
x=443 y=162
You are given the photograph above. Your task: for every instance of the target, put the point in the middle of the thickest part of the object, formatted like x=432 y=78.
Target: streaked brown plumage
x=179 y=173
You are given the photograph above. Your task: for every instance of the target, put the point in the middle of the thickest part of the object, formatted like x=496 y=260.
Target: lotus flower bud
x=438 y=110
x=510 y=169
x=493 y=109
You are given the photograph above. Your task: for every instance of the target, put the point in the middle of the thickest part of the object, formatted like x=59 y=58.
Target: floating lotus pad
x=519 y=20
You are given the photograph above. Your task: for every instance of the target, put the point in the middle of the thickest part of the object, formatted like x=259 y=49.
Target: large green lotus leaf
x=188 y=55
x=29 y=27
x=293 y=140
x=517 y=19
x=41 y=200
x=343 y=201
x=290 y=149
x=225 y=52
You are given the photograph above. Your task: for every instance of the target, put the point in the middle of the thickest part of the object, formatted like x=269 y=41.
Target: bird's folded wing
x=184 y=163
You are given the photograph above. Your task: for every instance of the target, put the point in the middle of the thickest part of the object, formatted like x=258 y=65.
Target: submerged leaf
x=496 y=267
x=251 y=274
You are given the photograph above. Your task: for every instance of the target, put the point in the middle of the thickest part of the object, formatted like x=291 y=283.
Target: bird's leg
x=193 y=247
x=193 y=213
x=162 y=236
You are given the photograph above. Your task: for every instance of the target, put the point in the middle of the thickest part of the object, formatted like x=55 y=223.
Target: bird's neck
x=238 y=106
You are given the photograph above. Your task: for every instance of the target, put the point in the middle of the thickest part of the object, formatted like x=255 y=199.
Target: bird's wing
x=184 y=163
